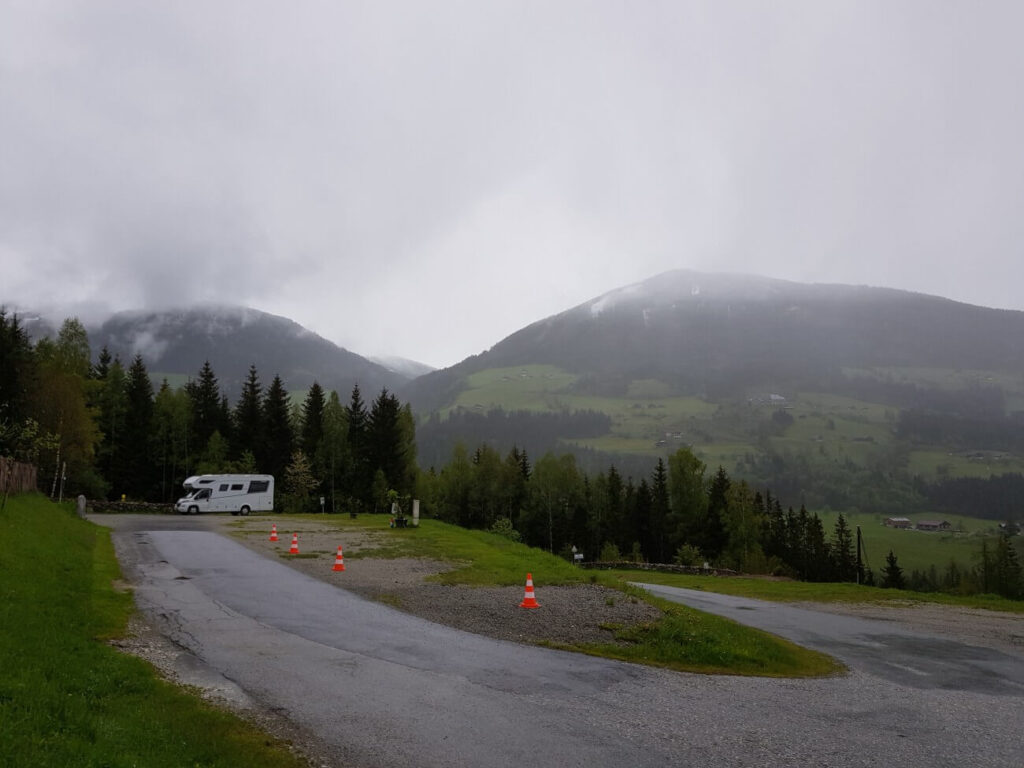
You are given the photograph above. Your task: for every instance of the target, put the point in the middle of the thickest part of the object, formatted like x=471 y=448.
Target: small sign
x=578 y=557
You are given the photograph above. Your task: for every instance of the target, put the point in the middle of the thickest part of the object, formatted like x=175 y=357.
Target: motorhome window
x=258 y=486
x=203 y=494
x=223 y=487
x=236 y=487
x=205 y=482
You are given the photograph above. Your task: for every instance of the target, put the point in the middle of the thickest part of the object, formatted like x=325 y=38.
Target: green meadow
x=918 y=549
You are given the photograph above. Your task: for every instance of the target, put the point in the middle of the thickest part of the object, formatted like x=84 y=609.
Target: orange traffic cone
x=339 y=561
x=529 y=601
x=295 y=545
x=273 y=532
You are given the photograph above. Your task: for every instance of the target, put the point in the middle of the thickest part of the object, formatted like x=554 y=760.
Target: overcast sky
x=424 y=178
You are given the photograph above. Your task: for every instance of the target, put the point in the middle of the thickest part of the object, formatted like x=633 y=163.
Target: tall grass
x=66 y=697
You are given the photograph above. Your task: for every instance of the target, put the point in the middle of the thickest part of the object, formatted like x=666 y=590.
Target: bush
x=688 y=554
x=503 y=527
x=609 y=553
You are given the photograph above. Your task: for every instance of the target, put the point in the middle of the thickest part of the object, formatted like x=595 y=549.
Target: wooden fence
x=16 y=477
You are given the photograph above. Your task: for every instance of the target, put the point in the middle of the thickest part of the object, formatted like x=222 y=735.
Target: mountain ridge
x=708 y=332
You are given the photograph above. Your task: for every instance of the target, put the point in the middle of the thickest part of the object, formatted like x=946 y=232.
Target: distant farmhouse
x=934 y=525
x=898 y=522
x=769 y=399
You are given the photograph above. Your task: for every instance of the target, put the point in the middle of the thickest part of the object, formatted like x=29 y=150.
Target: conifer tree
x=642 y=504
x=1008 y=573
x=687 y=494
x=248 y=416
x=112 y=401
x=312 y=420
x=137 y=439
x=360 y=473
x=171 y=417
x=658 y=550
x=712 y=536
x=333 y=455
x=102 y=367
x=207 y=412
x=844 y=559
x=892 y=575
x=383 y=438
x=17 y=370
x=279 y=439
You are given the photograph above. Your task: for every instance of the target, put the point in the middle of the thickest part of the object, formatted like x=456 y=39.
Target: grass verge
x=69 y=699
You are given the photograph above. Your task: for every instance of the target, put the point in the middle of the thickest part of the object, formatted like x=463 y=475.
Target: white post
x=415 y=512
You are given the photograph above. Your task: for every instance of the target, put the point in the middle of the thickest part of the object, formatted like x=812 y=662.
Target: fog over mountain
x=232 y=339
x=709 y=334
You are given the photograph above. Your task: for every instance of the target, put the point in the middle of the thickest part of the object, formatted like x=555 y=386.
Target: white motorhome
x=237 y=494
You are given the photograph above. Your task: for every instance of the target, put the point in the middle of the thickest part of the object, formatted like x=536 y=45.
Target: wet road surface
x=383 y=688
x=877 y=648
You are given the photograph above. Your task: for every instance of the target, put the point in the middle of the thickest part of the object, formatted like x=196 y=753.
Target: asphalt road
x=382 y=688
x=875 y=647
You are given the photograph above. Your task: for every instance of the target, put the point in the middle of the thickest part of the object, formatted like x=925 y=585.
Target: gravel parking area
x=568 y=614
x=587 y=613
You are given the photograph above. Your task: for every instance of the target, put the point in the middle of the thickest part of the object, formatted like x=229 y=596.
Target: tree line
x=104 y=431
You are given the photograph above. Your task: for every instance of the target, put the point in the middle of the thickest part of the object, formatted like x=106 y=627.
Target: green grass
x=684 y=639
x=802 y=591
x=689 y=640
x=69 y=699
x=935 y=464
x=917 y=549
x=478 y=558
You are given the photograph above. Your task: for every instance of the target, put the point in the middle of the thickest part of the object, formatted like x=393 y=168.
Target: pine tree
x=171 y=417
x=384 y=450
x=1008 y=574
x=658 y=549
x=112 y=401
x=137 y=438
x=206 y=407
x=712 y=537
x=360 y=472
x=333 y=455
x=17 y=370
x=844 y=559
x=102 y=367
x=276 y=453
x=312 y=420
x=687 y=493
x=892 y=576
x=248 y=416
x=642 y=516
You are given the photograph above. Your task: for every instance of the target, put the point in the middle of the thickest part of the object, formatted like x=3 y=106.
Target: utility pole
x=859 y=562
